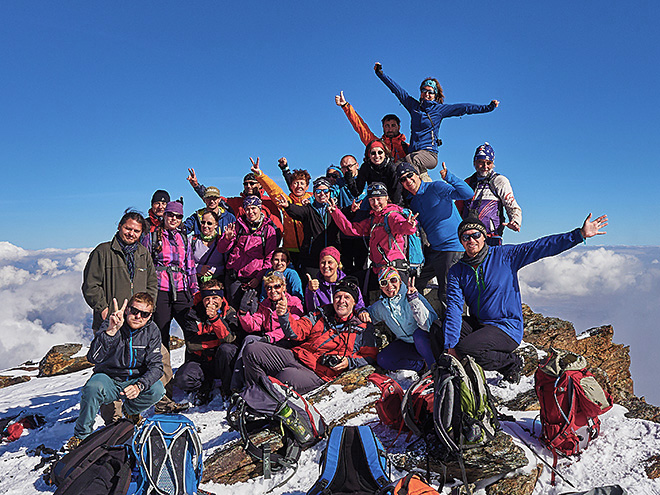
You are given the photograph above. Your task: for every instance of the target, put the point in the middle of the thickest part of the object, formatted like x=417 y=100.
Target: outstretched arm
x=406 y=100
x=591 y=228
x=360 y=126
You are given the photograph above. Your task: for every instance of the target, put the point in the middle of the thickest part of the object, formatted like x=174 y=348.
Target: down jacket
x=250 y=252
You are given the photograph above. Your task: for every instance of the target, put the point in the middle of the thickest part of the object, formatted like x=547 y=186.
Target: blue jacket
x=403 y=316
x=437 y=212
x=192 y=224
x=491 y=290
x=293 y=283
x=424 y=131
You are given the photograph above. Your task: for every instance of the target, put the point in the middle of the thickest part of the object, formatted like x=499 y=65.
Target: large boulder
x=6 y=381
x=60 y=360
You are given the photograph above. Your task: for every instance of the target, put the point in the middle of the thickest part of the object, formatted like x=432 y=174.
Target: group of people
x=291 y=283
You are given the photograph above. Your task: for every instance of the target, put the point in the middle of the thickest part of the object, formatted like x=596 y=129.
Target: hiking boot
x=168 y=406
x=72 y=444
x=513 y=375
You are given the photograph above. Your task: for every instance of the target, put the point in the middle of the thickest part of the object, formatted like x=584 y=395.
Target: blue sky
x=101 y=103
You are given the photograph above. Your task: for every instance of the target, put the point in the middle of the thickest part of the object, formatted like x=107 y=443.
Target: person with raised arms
x=486 y=279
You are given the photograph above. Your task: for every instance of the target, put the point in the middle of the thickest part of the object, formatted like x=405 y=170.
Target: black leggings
x=167 y=309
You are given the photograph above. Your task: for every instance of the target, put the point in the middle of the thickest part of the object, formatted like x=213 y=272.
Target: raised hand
x=282 y=163
x=443 y=171
x=514 y=226
x=282 y=306
x=192 y=178
x=590 y=229
x=255 y=167
x=313 y=283
x=212 y=310
x=332 y=205
x=378 y=68
x=340 y=101
x=365 y=317
x=495 y=102
x=411 y=286
x=230 y=232
x=282 y=201
x=116 y=317
x=412 y=219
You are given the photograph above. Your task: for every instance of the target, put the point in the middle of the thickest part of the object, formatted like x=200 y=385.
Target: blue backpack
x=354 y=461
x=168 y=455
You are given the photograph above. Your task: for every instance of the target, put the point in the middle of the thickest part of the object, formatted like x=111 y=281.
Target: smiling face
x=349 y=163
x=172 y=220
x=328 y=268
x=130 y=231
x=377 y=155
x=483 y=167
x=411 y=182
x=275 y=290
x=427 y=93
x=252 y=213
x=298 y=187
x=343 y=303
x=280 y=262
x=212 y=202
x=159 y=208
x=392 y=287
x=378 y=203
x=391 y=129
x=208 y=225
x=322 y=194
x=214 y=300
x=251 y=188
x=471 y=244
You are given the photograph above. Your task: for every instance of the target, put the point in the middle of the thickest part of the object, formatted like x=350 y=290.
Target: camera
x=330 y=360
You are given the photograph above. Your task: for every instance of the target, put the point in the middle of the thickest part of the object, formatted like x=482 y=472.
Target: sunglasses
x=174 y=215
x=333 y=176
x=377 y=153
x=321 y=191
x=205 y=222
x=137 y=312
x=392 y=280
x=466 y=237
x=406 y=177
x=428 y=91
x=274 y=287
x=251 y=184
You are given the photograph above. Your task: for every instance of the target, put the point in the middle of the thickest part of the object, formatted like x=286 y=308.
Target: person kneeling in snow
x=128 y=365
x=332 y=340
x=210 y=333
x=486 y=278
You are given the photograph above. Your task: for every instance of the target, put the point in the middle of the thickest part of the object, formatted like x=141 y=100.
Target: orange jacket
x=397 y=145
x=292 y=236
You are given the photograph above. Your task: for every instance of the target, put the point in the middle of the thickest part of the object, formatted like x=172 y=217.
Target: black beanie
x=160 y=195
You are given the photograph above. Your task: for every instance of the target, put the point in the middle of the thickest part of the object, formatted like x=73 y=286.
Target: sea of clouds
x=41 y=304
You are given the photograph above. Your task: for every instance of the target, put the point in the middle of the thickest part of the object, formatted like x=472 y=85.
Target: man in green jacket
x=119 y=269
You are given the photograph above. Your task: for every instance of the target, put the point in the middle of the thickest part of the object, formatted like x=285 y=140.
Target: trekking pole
x=554 y=470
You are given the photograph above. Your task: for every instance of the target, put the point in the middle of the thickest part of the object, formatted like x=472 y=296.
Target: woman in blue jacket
x=426 y=114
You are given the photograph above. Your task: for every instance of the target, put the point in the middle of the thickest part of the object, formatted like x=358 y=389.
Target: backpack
x=277 y=406
x=490 y=212
x=417 y=405
x=354 y=462
x=102 y=463
x=464 y=413
x=413 y=484
x=414 y=250
x=168 y=454
x=388 y=406
x=571 y=401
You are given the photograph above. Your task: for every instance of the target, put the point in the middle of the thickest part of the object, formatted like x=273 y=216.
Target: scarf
x=129 y=254
x=478 y=258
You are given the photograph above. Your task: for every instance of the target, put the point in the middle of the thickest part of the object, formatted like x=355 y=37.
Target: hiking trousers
x=437 y=264
x=261 y=360
x=401 y=355
x=168 y=308
x=192 y=374
x=101 y=389
x=490 y=347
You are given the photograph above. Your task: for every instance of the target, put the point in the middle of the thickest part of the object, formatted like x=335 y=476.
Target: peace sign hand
x=332 y=205
x=192 y=178
x=116 y=318
x=411 y=286
x=255 y=167
x=412 y=219
x=282 y=201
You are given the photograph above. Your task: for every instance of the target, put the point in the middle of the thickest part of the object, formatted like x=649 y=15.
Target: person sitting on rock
x=409 y=316
x=486 y=278
x=332 y=340
x=210 y=333
x=127 y=365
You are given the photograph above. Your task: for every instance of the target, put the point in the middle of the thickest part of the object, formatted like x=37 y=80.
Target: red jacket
x=321 y=333
x=204 y=336
x=397 y=145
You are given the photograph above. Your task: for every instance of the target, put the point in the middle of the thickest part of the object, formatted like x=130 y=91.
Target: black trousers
x=167 y=309
x=192 y=374
x=490 y=347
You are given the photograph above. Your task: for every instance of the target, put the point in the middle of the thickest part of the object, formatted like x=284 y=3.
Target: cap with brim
x=212 y=192
x=404 y=168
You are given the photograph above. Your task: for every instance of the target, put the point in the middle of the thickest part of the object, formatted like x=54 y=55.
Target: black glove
x=249 y=302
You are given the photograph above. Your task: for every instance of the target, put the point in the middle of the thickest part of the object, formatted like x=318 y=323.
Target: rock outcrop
x=59 y=360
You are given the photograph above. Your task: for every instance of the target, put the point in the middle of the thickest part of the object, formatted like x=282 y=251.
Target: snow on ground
x=614 y=457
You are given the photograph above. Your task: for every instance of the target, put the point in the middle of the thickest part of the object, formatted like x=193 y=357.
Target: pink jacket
x=250 y=253
x=393 y=246
x=265 y=319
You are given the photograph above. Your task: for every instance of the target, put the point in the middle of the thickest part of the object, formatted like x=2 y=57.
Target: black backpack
x=100 y=465
x=354 y=461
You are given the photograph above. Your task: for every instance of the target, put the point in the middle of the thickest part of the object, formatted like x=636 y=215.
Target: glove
x=378 y=68
x=249 y=302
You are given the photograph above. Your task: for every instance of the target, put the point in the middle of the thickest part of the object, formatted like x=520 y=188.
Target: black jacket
x=318 y=232
x=368 y=173
x=128 y=354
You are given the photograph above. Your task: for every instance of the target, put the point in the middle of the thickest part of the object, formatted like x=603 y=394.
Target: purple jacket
x=172 y=255
x=323 y=296
x=250 y=252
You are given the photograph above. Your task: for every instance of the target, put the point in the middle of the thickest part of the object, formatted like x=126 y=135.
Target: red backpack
x=571 y=401
x=413 y=484
x=388 y=406
x=417 y=405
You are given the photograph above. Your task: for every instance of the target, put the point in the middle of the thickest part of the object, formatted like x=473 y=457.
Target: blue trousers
x=101 y=389
x=400 y=355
